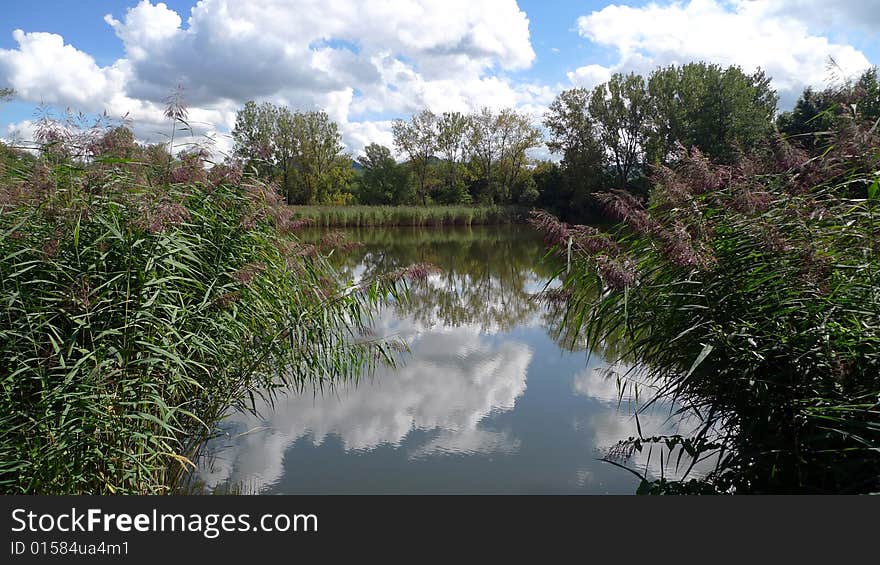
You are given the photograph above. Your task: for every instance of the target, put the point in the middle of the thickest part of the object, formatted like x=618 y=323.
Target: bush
x=750 y=294
x=136 y=314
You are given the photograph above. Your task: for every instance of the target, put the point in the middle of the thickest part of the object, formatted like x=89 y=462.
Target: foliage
x=383 y=181
x=452 y=130
x=573 y=137
x=301 y=150
x=719 y=111
x=621 y=128
x=140 y=306
x=749 y=294
x=417 y=139
x=498 y=144
x=816 y=115
x=620 y=109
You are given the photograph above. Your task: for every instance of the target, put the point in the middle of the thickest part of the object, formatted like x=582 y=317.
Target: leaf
x=707 y=349
x=874 y=189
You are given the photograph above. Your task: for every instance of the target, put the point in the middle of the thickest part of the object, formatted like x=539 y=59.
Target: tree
x=717 y=110
x=811 y=119
x=417 y=139
x=867 y=89
x=255 y=134
x=302 y=150
x=516 y=135
x=572 y=135
x=817 y=114
x=322 y=171
x=452 y=130
x=619 y=111
x=547 y=177
x=483 y=146
x=383 y=180
x=6 y=94
x=498 y=145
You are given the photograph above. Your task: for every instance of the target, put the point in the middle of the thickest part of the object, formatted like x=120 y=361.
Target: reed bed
x=144 y=299
x=751 y=296
x=368 y=216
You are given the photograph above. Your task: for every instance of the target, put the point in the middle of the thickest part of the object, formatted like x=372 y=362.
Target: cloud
x=364 y=62
x=431 y=393
x=589 y=76
x=615 y=386
x=44 y=68
x=821 y=15
x=749 y=34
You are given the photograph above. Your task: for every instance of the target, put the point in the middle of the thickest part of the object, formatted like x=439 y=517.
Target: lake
x=489 y=399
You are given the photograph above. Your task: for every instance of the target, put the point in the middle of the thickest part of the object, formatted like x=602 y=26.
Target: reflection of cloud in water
x=608 y=383
x=454 y=379
x=473 y=440
x=613 y=385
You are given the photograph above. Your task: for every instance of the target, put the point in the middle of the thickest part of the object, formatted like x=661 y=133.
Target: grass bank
x=366 y=216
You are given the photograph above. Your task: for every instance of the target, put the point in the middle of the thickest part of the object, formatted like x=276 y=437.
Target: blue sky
x=369 y=62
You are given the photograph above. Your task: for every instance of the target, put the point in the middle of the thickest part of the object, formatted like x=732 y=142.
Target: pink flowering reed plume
x=162 y=216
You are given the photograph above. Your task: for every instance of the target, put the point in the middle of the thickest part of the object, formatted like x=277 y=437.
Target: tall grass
x=367 y=216
x=751 y=295
x=141 y=303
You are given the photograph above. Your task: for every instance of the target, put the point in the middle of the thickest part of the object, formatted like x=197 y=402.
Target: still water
x=488 y=400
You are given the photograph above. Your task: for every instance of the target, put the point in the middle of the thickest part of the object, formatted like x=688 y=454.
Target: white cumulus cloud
x=363 y=62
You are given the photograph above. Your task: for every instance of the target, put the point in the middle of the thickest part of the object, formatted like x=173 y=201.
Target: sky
x=368 y=62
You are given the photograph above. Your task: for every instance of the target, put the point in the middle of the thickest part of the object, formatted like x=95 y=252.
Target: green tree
x=498 y=145
x=322 y=171
x=547 y=177
x=811 y=119
x=452 y=130
x=572 y=136
x=484 y=149
x=868 y=90
x=384 y=181
x=516 y=136
x=619 y=111
x=417 y=139
x=717 y=110
x=301 y=150
x=255 y=136
x=818 y=114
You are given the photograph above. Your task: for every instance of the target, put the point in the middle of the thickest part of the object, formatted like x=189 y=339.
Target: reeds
x=137 y=311
x=751 y=295
x=369 y=216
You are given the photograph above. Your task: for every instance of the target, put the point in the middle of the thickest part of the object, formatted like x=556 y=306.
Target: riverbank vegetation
x=143 y=296
x=606 y=137
x=747 y=288
x=146 y=290
x=366 y=216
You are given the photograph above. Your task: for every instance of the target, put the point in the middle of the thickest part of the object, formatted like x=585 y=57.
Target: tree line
x=610 y=135
x=450 y=158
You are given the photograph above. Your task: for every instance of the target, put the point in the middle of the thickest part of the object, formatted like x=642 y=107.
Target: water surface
x=487 y=400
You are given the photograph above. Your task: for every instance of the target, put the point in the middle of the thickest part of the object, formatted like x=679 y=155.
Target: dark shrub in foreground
x=751 y=295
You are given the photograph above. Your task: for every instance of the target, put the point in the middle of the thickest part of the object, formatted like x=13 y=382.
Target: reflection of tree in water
x=571 y=333
x=491 y=276
x=487 y=278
